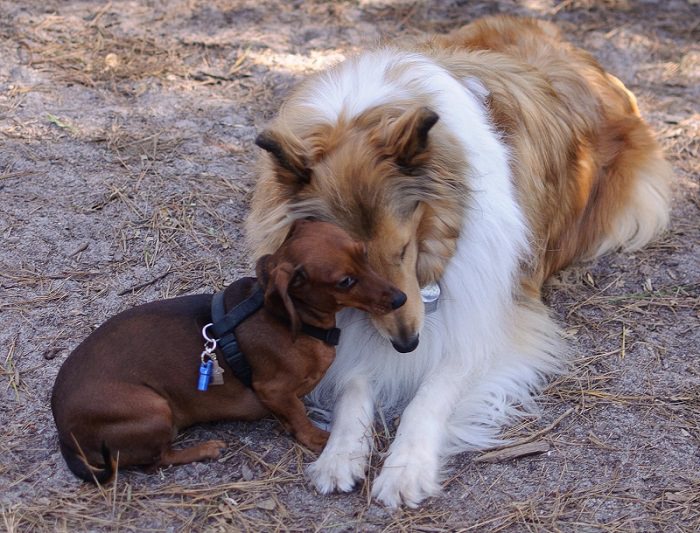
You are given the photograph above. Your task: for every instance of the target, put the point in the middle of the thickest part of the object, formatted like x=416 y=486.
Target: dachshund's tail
x=81 y=467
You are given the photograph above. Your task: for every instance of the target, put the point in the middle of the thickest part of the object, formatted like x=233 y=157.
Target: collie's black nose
x=405 y=346
x=398 y=300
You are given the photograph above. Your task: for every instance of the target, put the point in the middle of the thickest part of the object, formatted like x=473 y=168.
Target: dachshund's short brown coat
x=123 y=394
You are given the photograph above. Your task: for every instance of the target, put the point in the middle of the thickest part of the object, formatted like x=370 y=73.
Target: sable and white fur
x=486 y=159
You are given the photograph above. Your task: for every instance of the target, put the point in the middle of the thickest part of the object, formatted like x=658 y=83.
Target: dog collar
x=223 y=326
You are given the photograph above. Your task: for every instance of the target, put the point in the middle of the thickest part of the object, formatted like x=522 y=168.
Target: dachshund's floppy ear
x=262 y=270
x=277 y=290
x=289 y=161
x=295 y=226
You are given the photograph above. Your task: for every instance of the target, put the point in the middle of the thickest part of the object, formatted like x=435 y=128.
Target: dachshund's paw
x=315 y=439
x=212 y=449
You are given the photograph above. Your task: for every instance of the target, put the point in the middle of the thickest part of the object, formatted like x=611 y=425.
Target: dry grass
x=577 y=510
x=245 y=506
x=85 y=52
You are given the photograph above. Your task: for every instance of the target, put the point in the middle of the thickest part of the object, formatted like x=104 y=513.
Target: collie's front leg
x=411 y=470
x=344 y=459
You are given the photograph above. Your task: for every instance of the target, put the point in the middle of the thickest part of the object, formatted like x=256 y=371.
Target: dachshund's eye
x=299 y=278
x=346 y=282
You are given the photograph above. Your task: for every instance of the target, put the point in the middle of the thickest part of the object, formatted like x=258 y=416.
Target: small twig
x=53 y=119
x=10 y=368
x=79 y=249
x=513 y=452
x=144 y=284
x=624 y=338
x=114 y=487
x=535 y=435
x=95 y=20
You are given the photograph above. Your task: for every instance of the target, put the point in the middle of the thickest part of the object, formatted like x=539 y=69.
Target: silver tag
x=217 y=375
x=430 y=294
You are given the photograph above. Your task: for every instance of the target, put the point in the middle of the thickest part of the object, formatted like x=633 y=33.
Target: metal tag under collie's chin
x=430 y=294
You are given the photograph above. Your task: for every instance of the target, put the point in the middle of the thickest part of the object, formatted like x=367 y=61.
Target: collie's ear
x=409 y=137
x=291 y=165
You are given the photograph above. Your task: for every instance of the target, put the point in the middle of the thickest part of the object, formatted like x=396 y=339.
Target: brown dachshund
x=123 y=394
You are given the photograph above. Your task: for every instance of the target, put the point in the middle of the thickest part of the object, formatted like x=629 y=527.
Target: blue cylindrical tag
x=205 y=372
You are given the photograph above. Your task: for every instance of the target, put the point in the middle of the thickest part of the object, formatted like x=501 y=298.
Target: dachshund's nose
x=398 y=300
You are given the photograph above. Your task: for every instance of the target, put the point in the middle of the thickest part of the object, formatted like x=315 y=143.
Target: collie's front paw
x=337 y=470
x=407 y=478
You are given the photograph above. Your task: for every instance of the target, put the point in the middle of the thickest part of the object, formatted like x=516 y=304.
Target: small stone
x=51 y=353
x=267 y=504
x=247 y=473
x=111 y=61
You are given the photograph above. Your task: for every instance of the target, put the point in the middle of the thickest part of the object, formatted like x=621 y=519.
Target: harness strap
x=224 y=324
x=223 y=330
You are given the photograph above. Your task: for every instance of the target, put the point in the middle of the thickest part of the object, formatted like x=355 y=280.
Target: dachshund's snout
x=398 y=299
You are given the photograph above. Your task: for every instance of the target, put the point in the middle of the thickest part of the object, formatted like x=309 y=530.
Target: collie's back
x=590 y=175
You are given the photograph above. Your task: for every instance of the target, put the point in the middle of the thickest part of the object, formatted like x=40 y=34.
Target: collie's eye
x=403 y=251
x=346 y=282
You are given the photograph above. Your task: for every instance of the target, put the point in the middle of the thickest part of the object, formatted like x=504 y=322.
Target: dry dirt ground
x=126 y=156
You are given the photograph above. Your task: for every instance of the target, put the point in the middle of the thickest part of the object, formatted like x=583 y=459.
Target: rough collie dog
x=483 y=160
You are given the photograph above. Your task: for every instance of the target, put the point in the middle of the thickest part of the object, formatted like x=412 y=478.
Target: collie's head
x=391 y=176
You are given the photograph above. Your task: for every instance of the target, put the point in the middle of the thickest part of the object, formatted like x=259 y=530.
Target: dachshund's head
x=318 y=270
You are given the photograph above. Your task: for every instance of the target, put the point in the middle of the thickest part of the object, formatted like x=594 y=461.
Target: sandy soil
x=126 y=157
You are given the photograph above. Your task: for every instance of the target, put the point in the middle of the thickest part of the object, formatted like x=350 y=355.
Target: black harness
x=224 y=324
